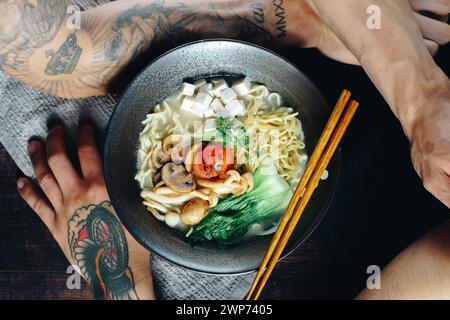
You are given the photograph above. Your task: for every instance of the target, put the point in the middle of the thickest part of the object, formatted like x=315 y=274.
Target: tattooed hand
x=77 y=211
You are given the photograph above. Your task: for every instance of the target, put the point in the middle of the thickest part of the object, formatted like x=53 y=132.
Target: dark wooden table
x=380 y=207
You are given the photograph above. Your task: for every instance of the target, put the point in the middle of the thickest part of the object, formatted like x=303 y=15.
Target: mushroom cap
x=159 y=158
x=172 y=219
x=194 y=211
x=177 y=178
x=173 y=140
x=156 y=178
x=176 y=145
x=177 y=153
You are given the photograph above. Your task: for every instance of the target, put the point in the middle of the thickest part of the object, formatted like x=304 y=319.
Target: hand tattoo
x=66 y=58
x=99 y=248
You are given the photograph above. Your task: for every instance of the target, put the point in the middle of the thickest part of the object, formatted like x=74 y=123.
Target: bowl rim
x=132 y=229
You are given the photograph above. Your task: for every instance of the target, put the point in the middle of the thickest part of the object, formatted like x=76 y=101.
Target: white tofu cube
x=219 y=86
x=199 y=83
x=206 y=87
x=223 y=113
x=227 y=95
x=209 y=113
x=202 y=102
x=210 y=125
x=216 y=104
x=219 y=109
x=242 y=86
x=188 y=89
x=188 y=103
x=235 y=108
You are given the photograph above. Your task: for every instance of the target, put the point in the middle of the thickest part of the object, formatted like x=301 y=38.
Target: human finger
x=36 y=202
x=433 y=29
x=58 y=160
x=90 y=160
x=44 y=175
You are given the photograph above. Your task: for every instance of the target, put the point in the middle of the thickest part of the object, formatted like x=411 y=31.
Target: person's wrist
x=143 y=281
x=435 y=92
x=274 y=22
x=406 y=82
x=303 y=25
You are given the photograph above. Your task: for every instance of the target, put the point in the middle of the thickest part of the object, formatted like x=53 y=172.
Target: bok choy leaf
x=228 y=222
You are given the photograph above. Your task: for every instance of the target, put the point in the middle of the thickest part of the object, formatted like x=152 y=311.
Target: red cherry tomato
x=213 y=161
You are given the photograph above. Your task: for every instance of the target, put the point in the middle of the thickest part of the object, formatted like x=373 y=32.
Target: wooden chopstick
x=311 y=186
x=314 y=159
x=318 y=170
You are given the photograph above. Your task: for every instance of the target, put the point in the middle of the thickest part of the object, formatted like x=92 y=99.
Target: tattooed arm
x=77 y=211
x=37 y=46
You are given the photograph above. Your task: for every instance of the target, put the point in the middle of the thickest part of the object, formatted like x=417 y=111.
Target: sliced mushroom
x=177 y=178
x=177 y=153
x=190 y=158
x=159 y=158
x=171 y=141
x=194 y=211
x=157 y=178
x=176 y=146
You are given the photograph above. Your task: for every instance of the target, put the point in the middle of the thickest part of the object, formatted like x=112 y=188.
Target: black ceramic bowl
x=160 y=79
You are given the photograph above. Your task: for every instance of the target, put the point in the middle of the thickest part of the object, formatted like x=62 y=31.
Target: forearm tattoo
x=99 y=248
x=158 y=25
x=65 y=59
x=141 y=26
x=27 y=25
x=253 y=28
x=111 y=41
x=281 y=18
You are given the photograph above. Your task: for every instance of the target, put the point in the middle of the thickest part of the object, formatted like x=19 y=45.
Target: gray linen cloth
x=24 y=113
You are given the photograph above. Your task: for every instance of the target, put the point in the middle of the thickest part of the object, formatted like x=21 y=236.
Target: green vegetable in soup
x=225 y=135
x=228 y=222
x=224 y=125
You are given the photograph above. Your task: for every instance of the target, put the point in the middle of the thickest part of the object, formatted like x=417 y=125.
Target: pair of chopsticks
x=331 y=137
